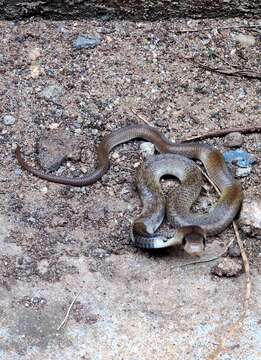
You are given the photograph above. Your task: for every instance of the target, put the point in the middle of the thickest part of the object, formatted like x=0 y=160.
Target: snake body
x=215 y=222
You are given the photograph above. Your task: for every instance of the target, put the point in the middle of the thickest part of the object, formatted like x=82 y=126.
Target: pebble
x=52 y=92
x=234 y=139
x=227 y=267
x=86 y=42
x=246 y=40
x=94 y=131
x=147 y=149
x=234 y=250
x=257 y=141
x=9 y=120
x=43 y=266
x=250 y=216
x=242 y=94
x=61 y=29
x=34 y=54
x=55 y=148
x=100 y=253
x=243 y=172
x=18 y=172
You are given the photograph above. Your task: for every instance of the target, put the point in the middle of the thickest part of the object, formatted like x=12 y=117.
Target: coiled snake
x=191 y=230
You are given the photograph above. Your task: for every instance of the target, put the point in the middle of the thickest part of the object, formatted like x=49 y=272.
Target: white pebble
x=246 y=40
x=147 y=149
x=9 y=120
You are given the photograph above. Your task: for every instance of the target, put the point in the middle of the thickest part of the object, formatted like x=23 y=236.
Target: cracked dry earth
x=56 y=240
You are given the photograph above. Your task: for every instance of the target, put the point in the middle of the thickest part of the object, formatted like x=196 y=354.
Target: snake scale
x=191 y=229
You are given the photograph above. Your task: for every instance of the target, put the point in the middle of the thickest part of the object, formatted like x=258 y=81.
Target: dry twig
x=232 y=72
x=218 y=28
x=225 y=61
x=223 y=132
x=68 y=312
x=142 y=117
x=239 y=323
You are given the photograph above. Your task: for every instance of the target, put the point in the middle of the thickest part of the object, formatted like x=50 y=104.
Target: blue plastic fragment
x=240 y=157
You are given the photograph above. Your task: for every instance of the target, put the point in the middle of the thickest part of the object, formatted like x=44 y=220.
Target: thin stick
x=240 y=72
x=223 y=132
x=142 y=117
x=68 y=312
x=218 y=28
x=225 y=61
x=239 y=323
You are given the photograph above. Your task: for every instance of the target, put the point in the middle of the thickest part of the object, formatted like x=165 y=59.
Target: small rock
x=234 y=250
x=246 y=40
x=242 y=94
x=61 y=29
x=147 y=149
x=227 y=267
x=240 y=157
x=18 y=172
x=100 y=253
x=52 y=92
x=86 y=42
x=250 y=216
x=257 y=141
x=234 y=139
x=94 y=131
x=34 y=54
x=243 y=172
x=2 y=58
x=9 y=120
x=35 y=71
x=115 y=155
x=54 y=148
x=43 y=266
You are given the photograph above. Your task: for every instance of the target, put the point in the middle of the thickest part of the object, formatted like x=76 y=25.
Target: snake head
x=194 y=240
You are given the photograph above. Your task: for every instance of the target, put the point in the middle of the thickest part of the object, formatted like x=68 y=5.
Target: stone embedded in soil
x=52 y=92
x=227 y=267
x=9 y=120
x=147 y=149
x=246 y=40
x=86 y=42
x=54 y=148
x=257 y=141
x=234 y=250
x=234 y=139
x=43 y=266
x=250 y=216
x=242 y=94
x=243 y=172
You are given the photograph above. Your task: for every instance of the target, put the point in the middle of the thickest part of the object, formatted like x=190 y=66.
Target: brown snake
x=191 y=229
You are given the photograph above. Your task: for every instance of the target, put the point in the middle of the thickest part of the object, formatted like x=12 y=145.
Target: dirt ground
x=57 y=240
